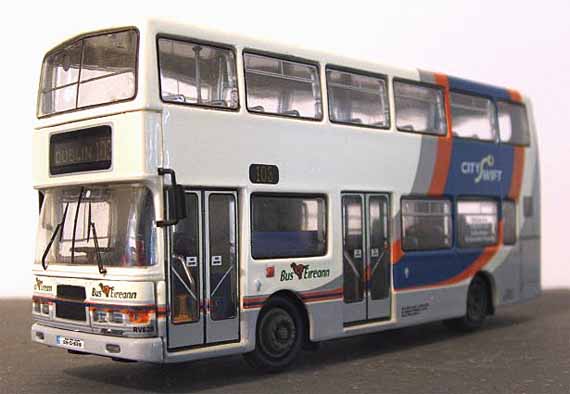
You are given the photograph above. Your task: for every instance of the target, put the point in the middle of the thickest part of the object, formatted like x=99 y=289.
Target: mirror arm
x=166 y=223
x=163 y=172
x=168 y=171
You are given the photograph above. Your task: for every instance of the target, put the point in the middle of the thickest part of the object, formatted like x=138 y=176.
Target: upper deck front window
x=94 y=70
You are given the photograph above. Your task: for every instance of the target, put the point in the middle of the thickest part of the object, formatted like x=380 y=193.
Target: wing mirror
x=175 y=200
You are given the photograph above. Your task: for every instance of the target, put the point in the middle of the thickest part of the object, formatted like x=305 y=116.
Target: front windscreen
x=94 y=70
x=114 y=223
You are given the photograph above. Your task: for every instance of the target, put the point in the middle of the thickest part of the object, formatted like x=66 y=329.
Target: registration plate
x=70 y=342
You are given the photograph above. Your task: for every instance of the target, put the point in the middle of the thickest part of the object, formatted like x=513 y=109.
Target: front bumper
x=136 y=349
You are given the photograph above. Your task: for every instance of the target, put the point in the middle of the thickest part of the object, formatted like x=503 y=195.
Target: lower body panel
x=137 y=349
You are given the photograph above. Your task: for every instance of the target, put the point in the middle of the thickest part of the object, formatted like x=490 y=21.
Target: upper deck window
x=199 y=74
x=94 y=70
x=419 y=108
x=472 y=117
x=513 y=123
x=282 y=87
x=357 y=99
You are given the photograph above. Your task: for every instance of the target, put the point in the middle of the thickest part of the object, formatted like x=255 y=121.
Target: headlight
x=36 y=307
x=41 y=307
x=124 y=321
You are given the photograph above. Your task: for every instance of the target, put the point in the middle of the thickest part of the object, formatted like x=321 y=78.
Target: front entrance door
x=366 y=256
x=203 y=271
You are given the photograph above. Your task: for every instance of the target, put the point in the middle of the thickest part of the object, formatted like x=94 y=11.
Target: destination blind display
x=81 y=150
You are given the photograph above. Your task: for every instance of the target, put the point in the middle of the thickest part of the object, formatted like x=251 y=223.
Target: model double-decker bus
x=203 y=194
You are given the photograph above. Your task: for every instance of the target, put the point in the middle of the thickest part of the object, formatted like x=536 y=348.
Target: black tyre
x=477 y=307
x=280 y=336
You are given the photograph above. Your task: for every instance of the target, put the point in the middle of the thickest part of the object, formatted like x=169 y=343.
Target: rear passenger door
x=366 y=257
x=378 y=255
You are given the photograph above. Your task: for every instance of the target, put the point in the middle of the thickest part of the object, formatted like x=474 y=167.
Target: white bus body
x=349 y=171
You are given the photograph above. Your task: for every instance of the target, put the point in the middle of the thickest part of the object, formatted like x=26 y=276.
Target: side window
x=192 y=73
x=476 y=223
x=472 y=117
x=353 y=245
x=513 y=123
x=284 y=226
x=223 y=255
x=282 y=87
x=184 y=270
x=357 y=99
x=510 y=222
x=426 y=224
x=419 y=108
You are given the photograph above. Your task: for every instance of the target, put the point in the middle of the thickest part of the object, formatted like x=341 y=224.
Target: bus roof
x=178 y=27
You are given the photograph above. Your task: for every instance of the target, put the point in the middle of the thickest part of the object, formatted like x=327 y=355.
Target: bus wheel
x=477 y=305
x=280 y=335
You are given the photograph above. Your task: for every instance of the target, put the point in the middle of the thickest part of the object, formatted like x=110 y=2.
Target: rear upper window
x=419 y=108
x=472 y=117
x=199 y=74
x=282 y=87
x=513 y=123
x=357 y=99
x=94 y=70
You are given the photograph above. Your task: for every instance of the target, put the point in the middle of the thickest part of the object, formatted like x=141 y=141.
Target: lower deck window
x=288 y=226
x=426 y=224
x=477 y=223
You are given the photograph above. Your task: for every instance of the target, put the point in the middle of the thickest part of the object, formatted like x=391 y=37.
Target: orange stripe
x=518 y=170
x=161 y=311
x=397 y=251
x=516 y=96
x=310 y=294
x=307 y=297
x=444 y=144
x=251 y=300
x=329 y=298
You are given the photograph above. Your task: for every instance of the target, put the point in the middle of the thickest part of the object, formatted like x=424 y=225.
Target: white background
x=513 y=44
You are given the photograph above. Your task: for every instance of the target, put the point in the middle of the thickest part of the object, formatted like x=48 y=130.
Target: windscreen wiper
x=91 y=227
x=75 y=224
x=58 y=229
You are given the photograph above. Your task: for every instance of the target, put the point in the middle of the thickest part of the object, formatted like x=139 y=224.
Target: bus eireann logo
x=39 y=286
x=298 y=269
x=106 y=289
